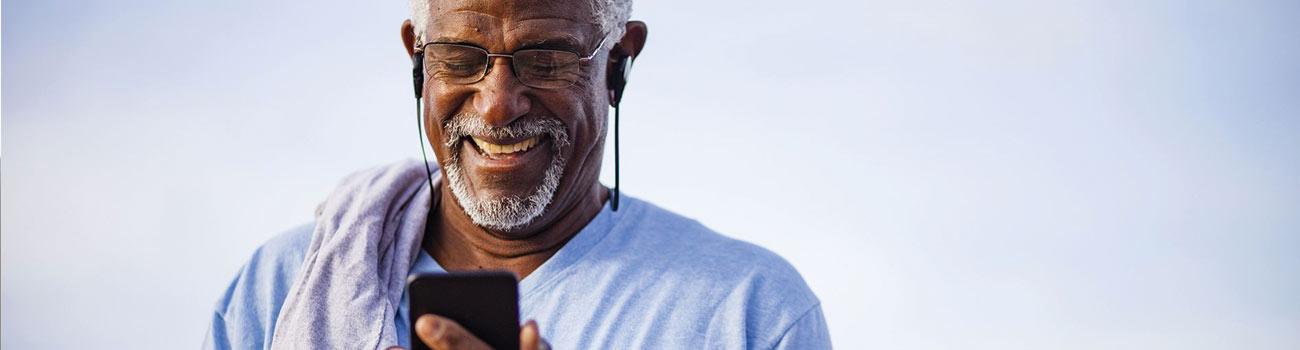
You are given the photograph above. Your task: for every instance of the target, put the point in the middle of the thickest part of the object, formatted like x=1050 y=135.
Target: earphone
x=417 y=74
x=617 y=80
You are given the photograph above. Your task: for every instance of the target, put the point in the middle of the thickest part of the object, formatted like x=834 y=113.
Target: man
x=517 y=95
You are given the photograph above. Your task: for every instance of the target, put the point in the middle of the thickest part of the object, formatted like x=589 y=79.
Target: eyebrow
x=450 y=40
x=563 y=43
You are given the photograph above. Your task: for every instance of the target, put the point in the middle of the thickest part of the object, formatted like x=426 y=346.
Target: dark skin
x=504 y=26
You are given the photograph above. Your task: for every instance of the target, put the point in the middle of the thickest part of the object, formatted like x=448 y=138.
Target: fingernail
x=429 y=325
x=435 y=328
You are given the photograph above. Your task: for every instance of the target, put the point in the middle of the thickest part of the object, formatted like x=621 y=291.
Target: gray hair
x=612 y=15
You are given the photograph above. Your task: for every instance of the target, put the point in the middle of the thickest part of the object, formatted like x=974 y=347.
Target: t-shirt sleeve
x=216 y=338
x=244 y=317
x=809 y=332
x=240 y=319
x=220 y=336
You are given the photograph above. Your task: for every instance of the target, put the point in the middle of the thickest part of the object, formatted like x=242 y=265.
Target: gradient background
x=945 y=174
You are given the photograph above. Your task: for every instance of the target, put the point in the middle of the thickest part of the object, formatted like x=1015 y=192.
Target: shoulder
x=284 y=249
x=746 y=286
x=275 y=264
x=246 y=312
x=682 y=243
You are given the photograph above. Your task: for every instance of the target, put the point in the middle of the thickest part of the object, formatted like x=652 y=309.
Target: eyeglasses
x=539 y=68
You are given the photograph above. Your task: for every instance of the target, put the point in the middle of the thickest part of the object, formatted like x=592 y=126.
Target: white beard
x=508 y=212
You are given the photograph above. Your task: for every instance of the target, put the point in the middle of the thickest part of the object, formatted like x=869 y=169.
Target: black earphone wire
x=419 y=128
x=614 y=199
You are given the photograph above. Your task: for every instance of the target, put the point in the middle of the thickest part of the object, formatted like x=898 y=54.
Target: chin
x=506 y=208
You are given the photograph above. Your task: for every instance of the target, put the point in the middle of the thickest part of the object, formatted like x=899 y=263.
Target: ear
x=621 y=57
x=408 y=37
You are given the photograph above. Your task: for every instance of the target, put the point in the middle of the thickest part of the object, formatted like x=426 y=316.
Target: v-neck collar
x=555 y=266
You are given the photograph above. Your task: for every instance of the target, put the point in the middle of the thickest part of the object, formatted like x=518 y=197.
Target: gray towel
x=368 y=233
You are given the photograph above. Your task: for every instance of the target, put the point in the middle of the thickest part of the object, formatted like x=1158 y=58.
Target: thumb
x=529 y=337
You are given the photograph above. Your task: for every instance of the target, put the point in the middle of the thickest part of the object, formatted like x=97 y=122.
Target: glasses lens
x=457 y=64
x=546 y=68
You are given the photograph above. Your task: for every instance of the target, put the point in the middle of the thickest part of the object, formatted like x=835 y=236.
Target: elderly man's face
x=512 y=153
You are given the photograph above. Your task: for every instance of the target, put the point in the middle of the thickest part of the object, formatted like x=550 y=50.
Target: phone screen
x=485 y=303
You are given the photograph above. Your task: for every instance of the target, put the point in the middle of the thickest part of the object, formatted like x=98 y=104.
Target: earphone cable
x=614 y=203
x=419 y=128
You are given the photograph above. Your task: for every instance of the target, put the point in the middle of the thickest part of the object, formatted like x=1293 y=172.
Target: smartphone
x=485 y=303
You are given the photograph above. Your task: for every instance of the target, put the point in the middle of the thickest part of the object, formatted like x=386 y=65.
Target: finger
x=529 y=337
x=442 y=333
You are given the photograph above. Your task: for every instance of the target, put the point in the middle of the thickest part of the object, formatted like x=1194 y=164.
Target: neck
x=457 y=244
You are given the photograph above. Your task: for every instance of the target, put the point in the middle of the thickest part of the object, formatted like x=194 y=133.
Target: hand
x=441 y=333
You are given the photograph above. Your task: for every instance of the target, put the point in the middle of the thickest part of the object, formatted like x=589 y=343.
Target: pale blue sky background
x=946 y=174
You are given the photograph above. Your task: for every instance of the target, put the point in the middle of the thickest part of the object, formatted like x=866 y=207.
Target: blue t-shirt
x=637 y=278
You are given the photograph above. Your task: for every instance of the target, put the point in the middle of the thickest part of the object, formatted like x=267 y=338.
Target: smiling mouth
x=494 y=151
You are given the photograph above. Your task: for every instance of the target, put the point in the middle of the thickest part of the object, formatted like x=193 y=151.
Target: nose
x=500 y=97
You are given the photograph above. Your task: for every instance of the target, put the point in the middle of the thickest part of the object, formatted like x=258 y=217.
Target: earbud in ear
x=417 y=73
x=618 y=78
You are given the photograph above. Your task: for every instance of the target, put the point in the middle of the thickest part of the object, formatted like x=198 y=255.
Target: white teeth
x=492 y=148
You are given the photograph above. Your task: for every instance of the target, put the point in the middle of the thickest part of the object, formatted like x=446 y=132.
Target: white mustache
x=468 y=124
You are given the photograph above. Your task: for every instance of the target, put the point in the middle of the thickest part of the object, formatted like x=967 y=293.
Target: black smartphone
x=485 y=303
